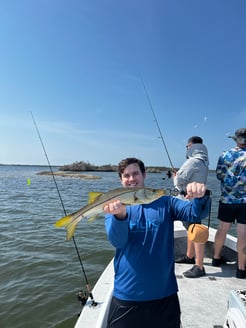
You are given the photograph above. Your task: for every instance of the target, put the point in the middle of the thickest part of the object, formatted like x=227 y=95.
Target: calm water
x=40 y=271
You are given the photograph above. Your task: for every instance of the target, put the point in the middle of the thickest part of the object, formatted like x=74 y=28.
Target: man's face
x=132 y=176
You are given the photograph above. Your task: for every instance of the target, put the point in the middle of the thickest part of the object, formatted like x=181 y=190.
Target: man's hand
x=195 y=190
x=117 y=209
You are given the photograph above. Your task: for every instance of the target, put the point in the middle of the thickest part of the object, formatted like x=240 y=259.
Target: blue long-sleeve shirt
x=144 y=242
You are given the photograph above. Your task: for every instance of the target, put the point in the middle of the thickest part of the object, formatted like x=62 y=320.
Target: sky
x=78 y=65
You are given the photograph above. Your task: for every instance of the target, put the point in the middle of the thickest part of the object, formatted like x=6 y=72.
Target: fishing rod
x=81 y=296
x=157 y=124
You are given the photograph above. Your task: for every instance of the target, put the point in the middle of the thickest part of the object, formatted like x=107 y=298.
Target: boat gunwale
x=103 y=289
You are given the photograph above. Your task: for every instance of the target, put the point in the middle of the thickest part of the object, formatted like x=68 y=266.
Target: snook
x=97 y=201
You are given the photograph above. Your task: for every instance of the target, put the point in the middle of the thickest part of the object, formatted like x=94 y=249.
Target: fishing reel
x=82 y=297
x=175 y=192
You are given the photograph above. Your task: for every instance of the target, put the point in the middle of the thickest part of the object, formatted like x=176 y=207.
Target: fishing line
x=64 y=210
x=159 y=129
x=157 y=124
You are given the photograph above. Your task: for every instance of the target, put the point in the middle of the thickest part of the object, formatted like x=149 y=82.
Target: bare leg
x=199 y=251
x=241 y=245
x=220 y=237
x=190 y=248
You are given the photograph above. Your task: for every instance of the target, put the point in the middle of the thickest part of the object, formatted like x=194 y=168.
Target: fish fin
x=63 y=222
x=70 y=229
x=92 y=218
x=93 y=195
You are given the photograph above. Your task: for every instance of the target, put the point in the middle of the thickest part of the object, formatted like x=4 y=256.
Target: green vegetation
x=86 y=166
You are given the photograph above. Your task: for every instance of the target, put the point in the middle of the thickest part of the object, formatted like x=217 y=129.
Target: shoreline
x=70 y=175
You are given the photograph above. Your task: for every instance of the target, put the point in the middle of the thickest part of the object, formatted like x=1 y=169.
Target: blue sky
x=76 y=65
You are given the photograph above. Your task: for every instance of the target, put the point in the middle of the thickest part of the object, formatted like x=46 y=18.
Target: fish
x=97 y=201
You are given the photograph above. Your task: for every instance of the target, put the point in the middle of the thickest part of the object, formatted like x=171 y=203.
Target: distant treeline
x=86 y=166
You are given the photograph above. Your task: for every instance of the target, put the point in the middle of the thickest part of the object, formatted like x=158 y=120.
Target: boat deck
x=204 y=300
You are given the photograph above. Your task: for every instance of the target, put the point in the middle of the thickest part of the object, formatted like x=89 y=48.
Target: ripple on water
x=40 y=271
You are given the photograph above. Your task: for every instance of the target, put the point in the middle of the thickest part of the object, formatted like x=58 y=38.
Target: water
x=40 y=270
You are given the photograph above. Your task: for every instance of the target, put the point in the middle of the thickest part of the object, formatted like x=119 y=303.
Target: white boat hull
x=204 y=301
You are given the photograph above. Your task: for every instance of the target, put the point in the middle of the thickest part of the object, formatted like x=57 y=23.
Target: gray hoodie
x=195 y=168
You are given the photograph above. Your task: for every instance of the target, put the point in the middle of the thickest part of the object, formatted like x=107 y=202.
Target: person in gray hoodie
x=195 y=168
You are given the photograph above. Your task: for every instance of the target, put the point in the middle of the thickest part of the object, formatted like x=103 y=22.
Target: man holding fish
x=145 y=286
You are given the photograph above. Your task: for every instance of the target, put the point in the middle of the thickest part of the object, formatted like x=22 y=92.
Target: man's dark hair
x=195 y=140
x=127 y=161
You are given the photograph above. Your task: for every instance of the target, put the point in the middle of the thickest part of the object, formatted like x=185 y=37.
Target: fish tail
x=69 y=224
x=63 y=222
